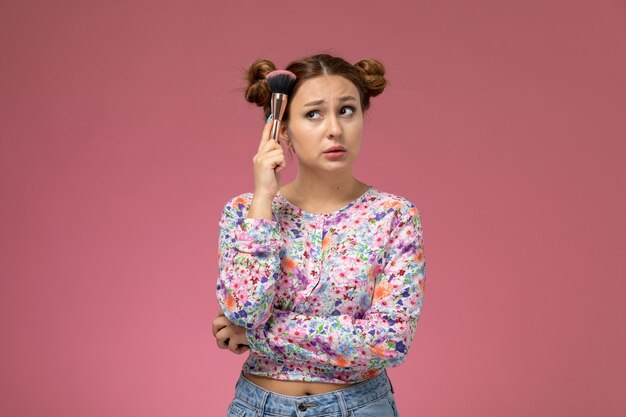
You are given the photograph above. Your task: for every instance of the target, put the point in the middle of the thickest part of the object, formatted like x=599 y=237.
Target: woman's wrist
x=260 y=208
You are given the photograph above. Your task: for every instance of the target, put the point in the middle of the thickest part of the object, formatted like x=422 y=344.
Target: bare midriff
x=293 y=388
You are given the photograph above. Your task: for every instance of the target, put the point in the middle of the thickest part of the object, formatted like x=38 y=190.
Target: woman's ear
x=283 y=135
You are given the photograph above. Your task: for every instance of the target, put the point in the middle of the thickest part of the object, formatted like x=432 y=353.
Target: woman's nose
x=334 y=127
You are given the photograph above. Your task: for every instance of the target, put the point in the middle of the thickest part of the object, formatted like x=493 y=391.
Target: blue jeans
x=371 y=398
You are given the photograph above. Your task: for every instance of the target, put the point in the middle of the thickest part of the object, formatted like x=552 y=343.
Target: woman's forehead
x=325 y=87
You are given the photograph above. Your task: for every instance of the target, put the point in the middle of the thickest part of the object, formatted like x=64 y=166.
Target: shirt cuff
x=257 y=341
x=257 y=236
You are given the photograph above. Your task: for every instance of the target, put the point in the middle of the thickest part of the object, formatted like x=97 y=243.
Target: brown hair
x=367 y=75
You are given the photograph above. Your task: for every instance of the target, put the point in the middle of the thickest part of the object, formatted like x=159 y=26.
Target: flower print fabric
x=331 y=297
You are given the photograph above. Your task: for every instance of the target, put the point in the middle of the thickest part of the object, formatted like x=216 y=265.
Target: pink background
x=123 y=132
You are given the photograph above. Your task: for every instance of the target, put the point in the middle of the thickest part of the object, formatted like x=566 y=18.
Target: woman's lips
x=334 y=154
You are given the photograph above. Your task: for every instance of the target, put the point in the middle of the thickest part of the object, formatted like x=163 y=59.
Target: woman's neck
x=323 y=193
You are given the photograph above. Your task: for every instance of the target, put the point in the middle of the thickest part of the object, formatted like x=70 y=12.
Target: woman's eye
x=313 y=115
x=346 y=111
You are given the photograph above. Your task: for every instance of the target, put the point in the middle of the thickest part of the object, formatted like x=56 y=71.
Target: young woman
x=321 y=279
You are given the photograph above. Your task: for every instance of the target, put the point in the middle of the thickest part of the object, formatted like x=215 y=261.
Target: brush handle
x=275 y=129
x=278 y=105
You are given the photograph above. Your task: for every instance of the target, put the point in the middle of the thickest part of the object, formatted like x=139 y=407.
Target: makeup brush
x=281 y=84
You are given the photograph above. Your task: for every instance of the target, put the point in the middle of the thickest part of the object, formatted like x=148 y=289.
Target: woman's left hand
x=229 y=336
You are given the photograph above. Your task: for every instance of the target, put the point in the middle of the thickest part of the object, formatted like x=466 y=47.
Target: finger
x=265 y=136
x=236 y=347
x=237 y=340
x=222 y=338
x=282 y=165
x=216 y=328
x=241 y=349
x=222 y=343
x=279 y=164
x=273 y=159
x=272 y=153
x=218 y=324
x=268 y=145
x=222 y=320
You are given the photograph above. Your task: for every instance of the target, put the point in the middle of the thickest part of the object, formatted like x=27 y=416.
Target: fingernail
x=269 y=118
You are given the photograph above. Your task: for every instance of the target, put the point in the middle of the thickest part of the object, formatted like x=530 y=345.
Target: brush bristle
x=281 y=81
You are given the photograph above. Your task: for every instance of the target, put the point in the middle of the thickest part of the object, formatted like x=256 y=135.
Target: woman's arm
x=381 y=338
x=249 y=264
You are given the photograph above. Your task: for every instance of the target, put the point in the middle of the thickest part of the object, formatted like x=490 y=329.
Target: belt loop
x=342 y=403
x=261 y=410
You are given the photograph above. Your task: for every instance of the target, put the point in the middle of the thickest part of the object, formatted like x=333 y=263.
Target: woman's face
x=325 y=113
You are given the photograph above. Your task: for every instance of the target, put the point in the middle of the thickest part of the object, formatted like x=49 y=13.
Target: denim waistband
x=335 y=402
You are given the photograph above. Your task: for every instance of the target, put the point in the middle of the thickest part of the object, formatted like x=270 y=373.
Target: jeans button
x=302 y=407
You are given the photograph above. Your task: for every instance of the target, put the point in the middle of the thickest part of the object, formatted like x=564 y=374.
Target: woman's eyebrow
x=313 y=103
x=321 y=101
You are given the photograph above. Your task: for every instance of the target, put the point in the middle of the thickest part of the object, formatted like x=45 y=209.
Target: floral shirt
x=331 y=297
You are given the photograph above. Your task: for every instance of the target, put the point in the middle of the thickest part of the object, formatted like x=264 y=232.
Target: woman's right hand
x=228 y=335
x=268 y=162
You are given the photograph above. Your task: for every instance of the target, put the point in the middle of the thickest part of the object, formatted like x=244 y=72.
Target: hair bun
x=258 y=91
x=372 y=72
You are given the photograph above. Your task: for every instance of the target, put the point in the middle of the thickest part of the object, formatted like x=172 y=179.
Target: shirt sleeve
x=248 y=263
x=382 y=337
